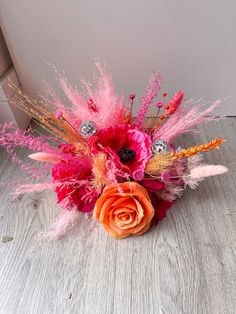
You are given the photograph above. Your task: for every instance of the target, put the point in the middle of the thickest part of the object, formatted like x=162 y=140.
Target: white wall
x=192 y=43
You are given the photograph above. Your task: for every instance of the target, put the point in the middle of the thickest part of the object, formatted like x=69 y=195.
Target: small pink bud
x=58 y=114
x=159 y=104
x=132 y=96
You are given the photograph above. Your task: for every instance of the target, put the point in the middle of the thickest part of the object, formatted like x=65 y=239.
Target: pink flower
x=74 y=189
x=127 y=146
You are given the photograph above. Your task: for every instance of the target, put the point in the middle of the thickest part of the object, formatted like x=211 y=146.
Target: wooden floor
x=186 y=264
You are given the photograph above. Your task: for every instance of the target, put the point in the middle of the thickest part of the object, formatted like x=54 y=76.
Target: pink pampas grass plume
x=11 y=137
x=151 y=92
x=107 y=108
x=183 y=121
x=29 y=188
x=45 y=157
x=207 y=171
x=54 y=101
x=65 y=222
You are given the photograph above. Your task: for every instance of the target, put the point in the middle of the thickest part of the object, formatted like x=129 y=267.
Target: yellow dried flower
x=158 y=163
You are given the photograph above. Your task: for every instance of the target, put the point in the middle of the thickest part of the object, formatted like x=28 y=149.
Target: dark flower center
x=126 y=154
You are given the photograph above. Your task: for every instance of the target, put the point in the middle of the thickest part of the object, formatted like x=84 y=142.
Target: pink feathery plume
x=109 y=107
x=183 y=121
x=10 y=137
x=78 y=104
x=65 y=222
x=76 y=100
x=151 y=92
x=99 y=104
x=72 y=94
x=54 y=101
x=29 y=188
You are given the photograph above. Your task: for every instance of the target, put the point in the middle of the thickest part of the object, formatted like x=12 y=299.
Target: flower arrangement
x=125 y=170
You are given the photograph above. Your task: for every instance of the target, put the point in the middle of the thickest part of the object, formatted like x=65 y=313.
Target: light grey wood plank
x=186 y=264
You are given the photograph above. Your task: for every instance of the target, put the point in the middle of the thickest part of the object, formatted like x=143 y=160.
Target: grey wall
x=7 y=72
x=5 y=59
x=192 y=43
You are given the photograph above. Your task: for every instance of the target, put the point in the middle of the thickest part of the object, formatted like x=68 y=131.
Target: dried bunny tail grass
x=45 y=157
x=197 y=174
x=59 y=127
x=158 y=163
x=214 y=144
x=207 y=171
x=151 y=92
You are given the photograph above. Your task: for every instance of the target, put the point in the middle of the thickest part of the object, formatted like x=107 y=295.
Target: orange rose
x=124 y=209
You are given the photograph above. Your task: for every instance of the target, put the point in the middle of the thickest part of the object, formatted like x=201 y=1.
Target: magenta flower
x=128 y=147
x=73 y=187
